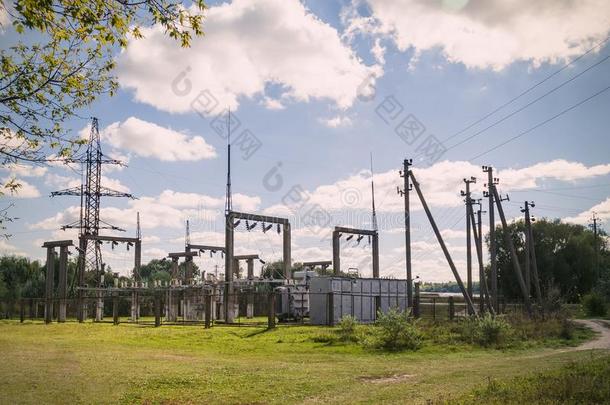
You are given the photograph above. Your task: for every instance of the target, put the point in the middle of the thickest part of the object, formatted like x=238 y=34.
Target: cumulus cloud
x=489 y=34
x=248 y=45
x=147 y=139
x=601 y=210
x=25 y=170
x=440 y=184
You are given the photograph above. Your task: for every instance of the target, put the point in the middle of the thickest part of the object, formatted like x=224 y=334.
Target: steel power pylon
x=90 y=192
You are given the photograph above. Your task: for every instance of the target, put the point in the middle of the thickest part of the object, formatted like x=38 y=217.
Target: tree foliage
x=565 y=256
x=66 y=63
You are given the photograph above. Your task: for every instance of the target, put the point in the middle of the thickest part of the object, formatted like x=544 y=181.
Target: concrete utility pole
x=405 y=193
x=477 y=231
x=594 y=220
x=513 y=253
x=491 y=181
x=468 y=201
x=439 y=237
x=530 y=252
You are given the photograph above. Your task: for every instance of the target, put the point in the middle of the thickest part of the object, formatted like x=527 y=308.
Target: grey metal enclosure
x=331 y=298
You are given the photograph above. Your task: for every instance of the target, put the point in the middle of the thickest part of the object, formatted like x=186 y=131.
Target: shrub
x=394 y=331
x=347 y=328
x=594 y=305
x=487 y=330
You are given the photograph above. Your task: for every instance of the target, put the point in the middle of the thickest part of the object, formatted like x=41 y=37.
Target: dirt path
x=601 y=326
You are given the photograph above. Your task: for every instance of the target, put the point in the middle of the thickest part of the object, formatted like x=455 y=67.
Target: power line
x=542 y=123
x=528 y=104
x=565 y=66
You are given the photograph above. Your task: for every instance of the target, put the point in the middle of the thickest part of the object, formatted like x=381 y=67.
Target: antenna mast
x=374 y=218
x=229 y=200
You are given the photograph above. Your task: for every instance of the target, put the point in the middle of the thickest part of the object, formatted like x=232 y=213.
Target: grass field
x=102 y=363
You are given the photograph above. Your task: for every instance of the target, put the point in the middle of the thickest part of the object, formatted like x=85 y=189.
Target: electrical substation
x=314 y=295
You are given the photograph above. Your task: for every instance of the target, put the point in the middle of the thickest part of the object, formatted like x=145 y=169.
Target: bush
x=594 y=305
x=347 y=328
x=487 y=330
x=394 y=331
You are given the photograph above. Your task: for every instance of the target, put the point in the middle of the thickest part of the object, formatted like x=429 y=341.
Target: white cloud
x=9 y=249
x=489 y=34
x=146 y=139
x=248 y=45
x=601 y=210
x=336 y=122
x=24 y=170
x=440 y=184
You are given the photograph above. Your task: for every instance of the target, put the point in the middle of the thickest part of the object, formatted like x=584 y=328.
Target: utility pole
x=593 y=225
x=441 y=242
x=468 y=201
x=511 y=247
x=491 y=181
x=530 y=252
x=477 y=230
x=404 y=173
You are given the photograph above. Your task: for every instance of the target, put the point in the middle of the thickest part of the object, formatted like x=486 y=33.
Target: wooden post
x=157 y=308
x=271 y=310
x=434 y=309
x=451 y=308
x=208 y=309
x=115 y=309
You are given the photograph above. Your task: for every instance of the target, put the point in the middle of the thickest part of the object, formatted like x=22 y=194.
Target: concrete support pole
x=376 y=255
x=115 y=308
x=63 y=283
x=99 y=307
x=513 y=253
x=208 y=309
x=492 y=241
x=527 y=275
x=406 y=189
x=81 y=310
x=468 y=240
x=441 y=242
x=483 y=288
x=250 y=302
x=134 y=306
x=48 y=307
x=534 y=265
x=416 y=303
x=228 y=296
x=157 y=308
x=271 y=310
x=336 y=253
x=287 y=254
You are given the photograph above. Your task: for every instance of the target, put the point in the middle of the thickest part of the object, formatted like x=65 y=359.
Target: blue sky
x=292 y=73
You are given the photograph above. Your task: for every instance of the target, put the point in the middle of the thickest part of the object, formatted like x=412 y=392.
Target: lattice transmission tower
x=90 y=192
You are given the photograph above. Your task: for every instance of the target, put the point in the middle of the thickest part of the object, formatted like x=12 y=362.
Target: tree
x=564 y=253
x=159 y=269
x=45 y=82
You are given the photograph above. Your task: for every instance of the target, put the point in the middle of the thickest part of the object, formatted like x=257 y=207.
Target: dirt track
x=602 y=341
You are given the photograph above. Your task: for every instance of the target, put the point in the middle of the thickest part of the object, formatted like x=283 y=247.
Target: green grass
x=102 y=363
x=575 y=383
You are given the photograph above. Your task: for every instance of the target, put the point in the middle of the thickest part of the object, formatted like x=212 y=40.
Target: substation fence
x=248 y=308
